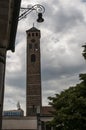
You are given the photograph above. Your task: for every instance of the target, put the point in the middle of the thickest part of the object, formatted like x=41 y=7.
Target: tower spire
x=18 y=105
x=33 y=24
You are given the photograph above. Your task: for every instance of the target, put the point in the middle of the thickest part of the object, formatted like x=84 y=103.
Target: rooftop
x=32 y=29
x=47 y=110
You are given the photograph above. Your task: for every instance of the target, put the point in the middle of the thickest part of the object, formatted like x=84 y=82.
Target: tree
x=84 y=52
x=70 y=106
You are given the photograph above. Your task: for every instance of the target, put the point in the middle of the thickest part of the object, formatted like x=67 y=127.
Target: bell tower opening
x=33 y=58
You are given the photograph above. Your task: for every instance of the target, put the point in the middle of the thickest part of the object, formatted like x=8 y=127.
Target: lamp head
x=40 y=19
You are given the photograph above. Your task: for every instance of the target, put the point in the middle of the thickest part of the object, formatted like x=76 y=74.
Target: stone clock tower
x=33 y=83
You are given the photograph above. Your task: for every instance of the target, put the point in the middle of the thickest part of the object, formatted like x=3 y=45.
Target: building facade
x=9 y=13
x=33 y=88
x=13 y=113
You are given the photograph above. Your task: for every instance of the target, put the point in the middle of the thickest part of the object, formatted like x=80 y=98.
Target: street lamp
x=38 y=8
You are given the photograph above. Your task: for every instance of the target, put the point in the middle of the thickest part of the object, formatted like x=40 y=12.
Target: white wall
x=19 y=123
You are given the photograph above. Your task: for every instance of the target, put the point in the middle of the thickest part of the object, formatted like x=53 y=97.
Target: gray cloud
x=68 y=19
x=16 y=81
x=83 y=0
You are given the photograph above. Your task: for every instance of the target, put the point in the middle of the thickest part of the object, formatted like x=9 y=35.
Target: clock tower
x=33 y=78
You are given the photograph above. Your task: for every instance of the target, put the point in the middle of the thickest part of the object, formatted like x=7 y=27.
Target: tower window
x=33 y=40
x=29 y=34
x=33 y=58
x=30 y=46
x=36 y=34
x=36 y=46
x=32 y=34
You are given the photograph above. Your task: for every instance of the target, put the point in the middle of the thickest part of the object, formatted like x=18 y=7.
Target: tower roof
x=33 y=29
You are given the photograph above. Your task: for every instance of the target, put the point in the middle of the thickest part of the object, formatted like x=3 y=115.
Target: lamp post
x=38 y=118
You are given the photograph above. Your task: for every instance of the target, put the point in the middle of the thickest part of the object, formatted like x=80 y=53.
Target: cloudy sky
x=62 y=35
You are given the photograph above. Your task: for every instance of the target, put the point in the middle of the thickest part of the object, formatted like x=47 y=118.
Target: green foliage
x=70 y=106
x=84 y=52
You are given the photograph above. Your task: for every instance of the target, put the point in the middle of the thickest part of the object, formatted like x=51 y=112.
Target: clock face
x=33 y=40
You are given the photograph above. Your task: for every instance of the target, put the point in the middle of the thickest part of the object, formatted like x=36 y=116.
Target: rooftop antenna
x=33 y=24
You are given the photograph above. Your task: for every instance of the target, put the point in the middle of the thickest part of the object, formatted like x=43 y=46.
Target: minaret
x=33 y=83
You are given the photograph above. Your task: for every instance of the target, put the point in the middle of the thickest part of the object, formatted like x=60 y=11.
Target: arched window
x=36 y=34
x=30 y=46
x=36 y=46
x=32 y=34
x=29 y=34
x=33 y=58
